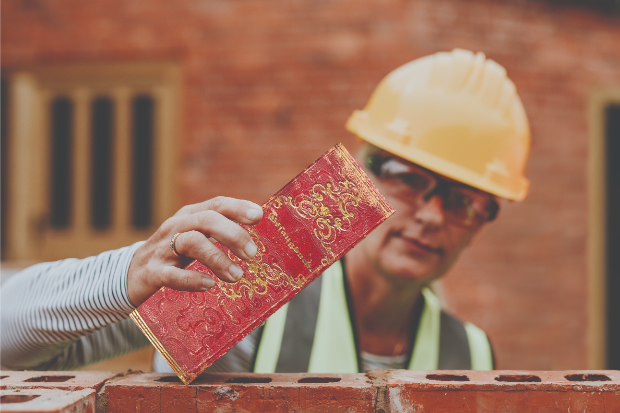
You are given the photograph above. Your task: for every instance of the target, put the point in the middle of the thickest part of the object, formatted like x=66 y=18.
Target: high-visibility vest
x=313 y=333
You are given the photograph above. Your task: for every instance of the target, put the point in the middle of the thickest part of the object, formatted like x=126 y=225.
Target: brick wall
x=377 y=391
x=267 y=87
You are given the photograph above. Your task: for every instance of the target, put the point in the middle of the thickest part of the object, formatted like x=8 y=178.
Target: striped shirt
x=66 y=314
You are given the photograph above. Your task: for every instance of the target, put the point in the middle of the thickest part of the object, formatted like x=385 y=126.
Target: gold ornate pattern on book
x=312 y=206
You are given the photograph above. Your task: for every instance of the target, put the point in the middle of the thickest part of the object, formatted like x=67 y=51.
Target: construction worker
x=445 y=138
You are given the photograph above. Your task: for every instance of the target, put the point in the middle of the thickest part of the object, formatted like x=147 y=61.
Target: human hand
x=154 y=264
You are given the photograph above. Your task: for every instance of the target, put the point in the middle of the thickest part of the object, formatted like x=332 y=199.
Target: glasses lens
x=470 y=207
x=404 y=180
x=460 y=206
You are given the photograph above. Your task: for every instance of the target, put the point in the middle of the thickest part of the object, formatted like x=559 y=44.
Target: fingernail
x=250 y=249
x=207 y=284
x=252 y=214
x=235 y=271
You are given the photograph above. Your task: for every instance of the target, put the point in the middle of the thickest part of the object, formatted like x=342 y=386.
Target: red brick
x=178 y=398
x=134 y=397
x=47 y=401
x=66 y=380
x=493 y=391
x=244 y=392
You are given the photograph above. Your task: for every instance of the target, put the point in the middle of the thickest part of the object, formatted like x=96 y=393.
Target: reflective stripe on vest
x=319 y=315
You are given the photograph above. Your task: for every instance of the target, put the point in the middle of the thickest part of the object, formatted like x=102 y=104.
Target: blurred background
x=115 y=113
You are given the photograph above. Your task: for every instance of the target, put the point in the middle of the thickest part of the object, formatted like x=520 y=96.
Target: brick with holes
x=47 y=401
x=506 y=391
x=66 y=380
x=243 y=392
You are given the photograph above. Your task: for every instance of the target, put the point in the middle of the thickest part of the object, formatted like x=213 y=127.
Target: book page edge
x=137 y=318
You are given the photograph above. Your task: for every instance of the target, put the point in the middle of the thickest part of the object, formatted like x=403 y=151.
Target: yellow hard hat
x=454 y=113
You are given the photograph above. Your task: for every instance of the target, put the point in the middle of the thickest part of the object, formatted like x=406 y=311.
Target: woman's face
x=426 y=234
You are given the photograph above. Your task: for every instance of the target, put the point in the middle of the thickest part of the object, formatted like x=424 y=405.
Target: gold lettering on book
x=273 y=217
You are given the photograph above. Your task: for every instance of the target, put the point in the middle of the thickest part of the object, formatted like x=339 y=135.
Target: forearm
x=49 y=308
x=112 y=341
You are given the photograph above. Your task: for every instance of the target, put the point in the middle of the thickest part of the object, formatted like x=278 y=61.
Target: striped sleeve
x=68 y=313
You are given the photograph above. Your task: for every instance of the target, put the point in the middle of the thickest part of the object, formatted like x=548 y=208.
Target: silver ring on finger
x=172 y=246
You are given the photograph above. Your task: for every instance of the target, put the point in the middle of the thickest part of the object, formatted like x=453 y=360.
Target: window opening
x=142 y=190
x=62 y=136
x=612 y=144
x=4 y=153
x=101 y=174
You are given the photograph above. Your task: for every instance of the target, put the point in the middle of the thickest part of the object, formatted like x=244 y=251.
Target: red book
x=307 y=226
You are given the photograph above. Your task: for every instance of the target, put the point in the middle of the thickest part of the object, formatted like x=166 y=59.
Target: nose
x=430 y=211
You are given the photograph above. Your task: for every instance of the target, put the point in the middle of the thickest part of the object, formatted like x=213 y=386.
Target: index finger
x=240 y=210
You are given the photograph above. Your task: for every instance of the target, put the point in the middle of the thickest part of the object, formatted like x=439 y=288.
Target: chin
x=409 y=269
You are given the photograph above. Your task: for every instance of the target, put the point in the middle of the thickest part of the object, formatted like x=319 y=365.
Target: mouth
x=416 y=244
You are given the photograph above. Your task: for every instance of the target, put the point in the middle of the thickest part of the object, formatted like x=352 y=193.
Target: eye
x=375 y=164
x=461 y=204
x=414 y=181
x=460 y=199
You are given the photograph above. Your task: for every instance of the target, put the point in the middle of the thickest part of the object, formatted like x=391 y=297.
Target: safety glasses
x=462 y=204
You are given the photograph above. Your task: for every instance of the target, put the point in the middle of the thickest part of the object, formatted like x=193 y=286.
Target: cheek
x=457 y=240
x=380 y=236
x=374 y=246
x=373 y=242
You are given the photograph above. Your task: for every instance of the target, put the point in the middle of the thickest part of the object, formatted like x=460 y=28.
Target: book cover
x=307 y=225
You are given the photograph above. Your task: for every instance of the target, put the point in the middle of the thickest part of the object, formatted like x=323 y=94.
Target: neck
x=385 y=306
